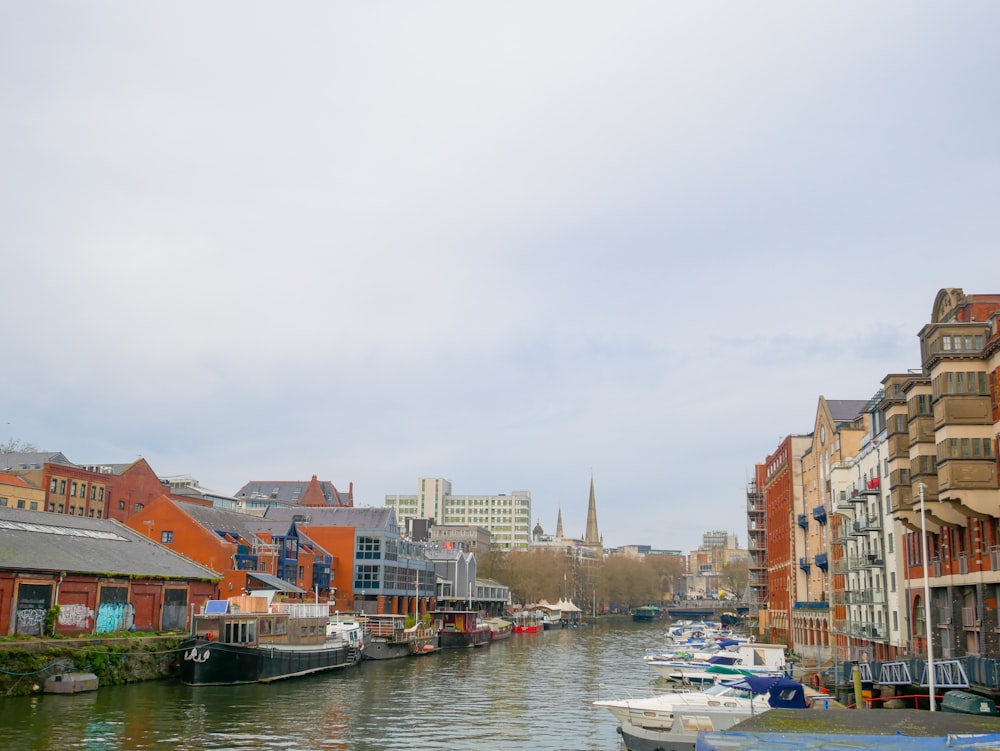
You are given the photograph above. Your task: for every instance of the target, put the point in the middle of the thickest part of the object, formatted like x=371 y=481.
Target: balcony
x=819 y=514
x=872 y=487
x=871 y=523
x=804 y=565
x=803 y=521
x=899 y=447
x=822 y=561
x=873 y=560
x=843 y=502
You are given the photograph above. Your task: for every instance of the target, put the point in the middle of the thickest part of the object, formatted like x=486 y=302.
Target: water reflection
x=530 y=691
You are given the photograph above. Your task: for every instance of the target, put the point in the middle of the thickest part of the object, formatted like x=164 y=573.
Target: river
x=531 y=691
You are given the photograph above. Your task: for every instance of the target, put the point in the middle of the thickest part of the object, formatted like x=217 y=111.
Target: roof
x=38 y=541
x=846 y=410
x=9 y=479
x=24 y=460
x=273 y=582
x=292 y=492
x=363 y=517
x=220 y=520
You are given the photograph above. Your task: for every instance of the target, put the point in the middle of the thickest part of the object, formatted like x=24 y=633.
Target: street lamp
x=927 y=603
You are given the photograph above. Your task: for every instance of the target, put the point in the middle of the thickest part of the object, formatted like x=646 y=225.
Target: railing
x=935 y=567
x=963 y=563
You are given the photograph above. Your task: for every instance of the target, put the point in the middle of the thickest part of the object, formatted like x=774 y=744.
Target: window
x=3 y=501
x=121 y=505
x=83 y=490
x=52 y=507
x=100 y=494
x=62 y=487
x=72 y=510
x=72 y=489
x=166 y=536
x=62 y=507
x=53 y=484
x=34 y=505
x=20 y=503
x=139 y=507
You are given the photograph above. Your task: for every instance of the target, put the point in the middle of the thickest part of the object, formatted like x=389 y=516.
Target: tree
x=736 y=576
x=16 y=446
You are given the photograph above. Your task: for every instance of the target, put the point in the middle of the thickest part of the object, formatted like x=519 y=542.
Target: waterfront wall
x=24 y=665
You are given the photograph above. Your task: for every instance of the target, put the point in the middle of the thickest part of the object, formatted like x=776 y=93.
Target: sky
x=515 y=245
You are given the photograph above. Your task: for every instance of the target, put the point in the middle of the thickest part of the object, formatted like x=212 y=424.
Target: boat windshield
x=719 y=690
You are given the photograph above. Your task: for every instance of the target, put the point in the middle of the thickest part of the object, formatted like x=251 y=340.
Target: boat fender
x=210 y=636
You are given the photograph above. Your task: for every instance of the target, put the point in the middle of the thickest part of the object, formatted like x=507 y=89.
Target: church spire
x=592 y=537
x=559 y=532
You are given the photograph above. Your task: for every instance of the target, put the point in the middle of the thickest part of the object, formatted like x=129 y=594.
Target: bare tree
x=16 y=446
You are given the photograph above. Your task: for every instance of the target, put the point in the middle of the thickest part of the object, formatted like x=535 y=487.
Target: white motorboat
x=671 y=722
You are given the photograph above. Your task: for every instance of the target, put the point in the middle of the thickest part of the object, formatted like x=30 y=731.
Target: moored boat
x=389 y=638
x=646 y=613
x=500 y=628
x=460 y=628
x=672 y=722
x=527 y=622
x=250 y=642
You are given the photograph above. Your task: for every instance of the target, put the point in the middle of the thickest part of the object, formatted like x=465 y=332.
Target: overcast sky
x=509 y=244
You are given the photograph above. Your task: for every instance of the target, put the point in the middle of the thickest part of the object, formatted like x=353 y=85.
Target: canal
x=531 y=691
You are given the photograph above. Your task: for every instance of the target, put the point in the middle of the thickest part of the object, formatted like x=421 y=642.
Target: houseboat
x=250 y=641
x=460 y=628
x=500 y=628
x=388 y=638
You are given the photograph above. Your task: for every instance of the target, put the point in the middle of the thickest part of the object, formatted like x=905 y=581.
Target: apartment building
x=507 y=517
x=942 y=426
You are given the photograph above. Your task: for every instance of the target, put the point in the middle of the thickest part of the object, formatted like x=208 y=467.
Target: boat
x=70 y=683
x=388 y=638
x=527 y=622
x=646 y=614
x=246 y=640
x=500 y=628
x=672 y=722
x=460 y=628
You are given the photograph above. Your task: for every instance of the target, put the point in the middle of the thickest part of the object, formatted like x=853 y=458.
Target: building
x=465 y=537
x=782 y=493
x=943 y=476
x=188 y=487
x=374 y=569
x=839 y=427
x=16 y=492
x=220 y=540
x=507 y=517
x=258 y=495
x=103 y=576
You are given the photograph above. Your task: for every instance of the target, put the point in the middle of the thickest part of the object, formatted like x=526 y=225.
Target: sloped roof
x=24 y=460
x=220 y=520
x=273 y=582
x=9 y=479
x=37 y=541
x=364 y=517
x=292 y=492
x=845 y=410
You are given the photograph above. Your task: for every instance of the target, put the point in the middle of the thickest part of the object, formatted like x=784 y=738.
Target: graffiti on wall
x=114 y=616
x=30 y=621
x=75 y=616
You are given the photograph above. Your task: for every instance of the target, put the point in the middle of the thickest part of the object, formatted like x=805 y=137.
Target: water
x=531 y=691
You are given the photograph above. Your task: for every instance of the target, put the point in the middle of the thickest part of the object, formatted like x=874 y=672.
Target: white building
x=506 y=516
